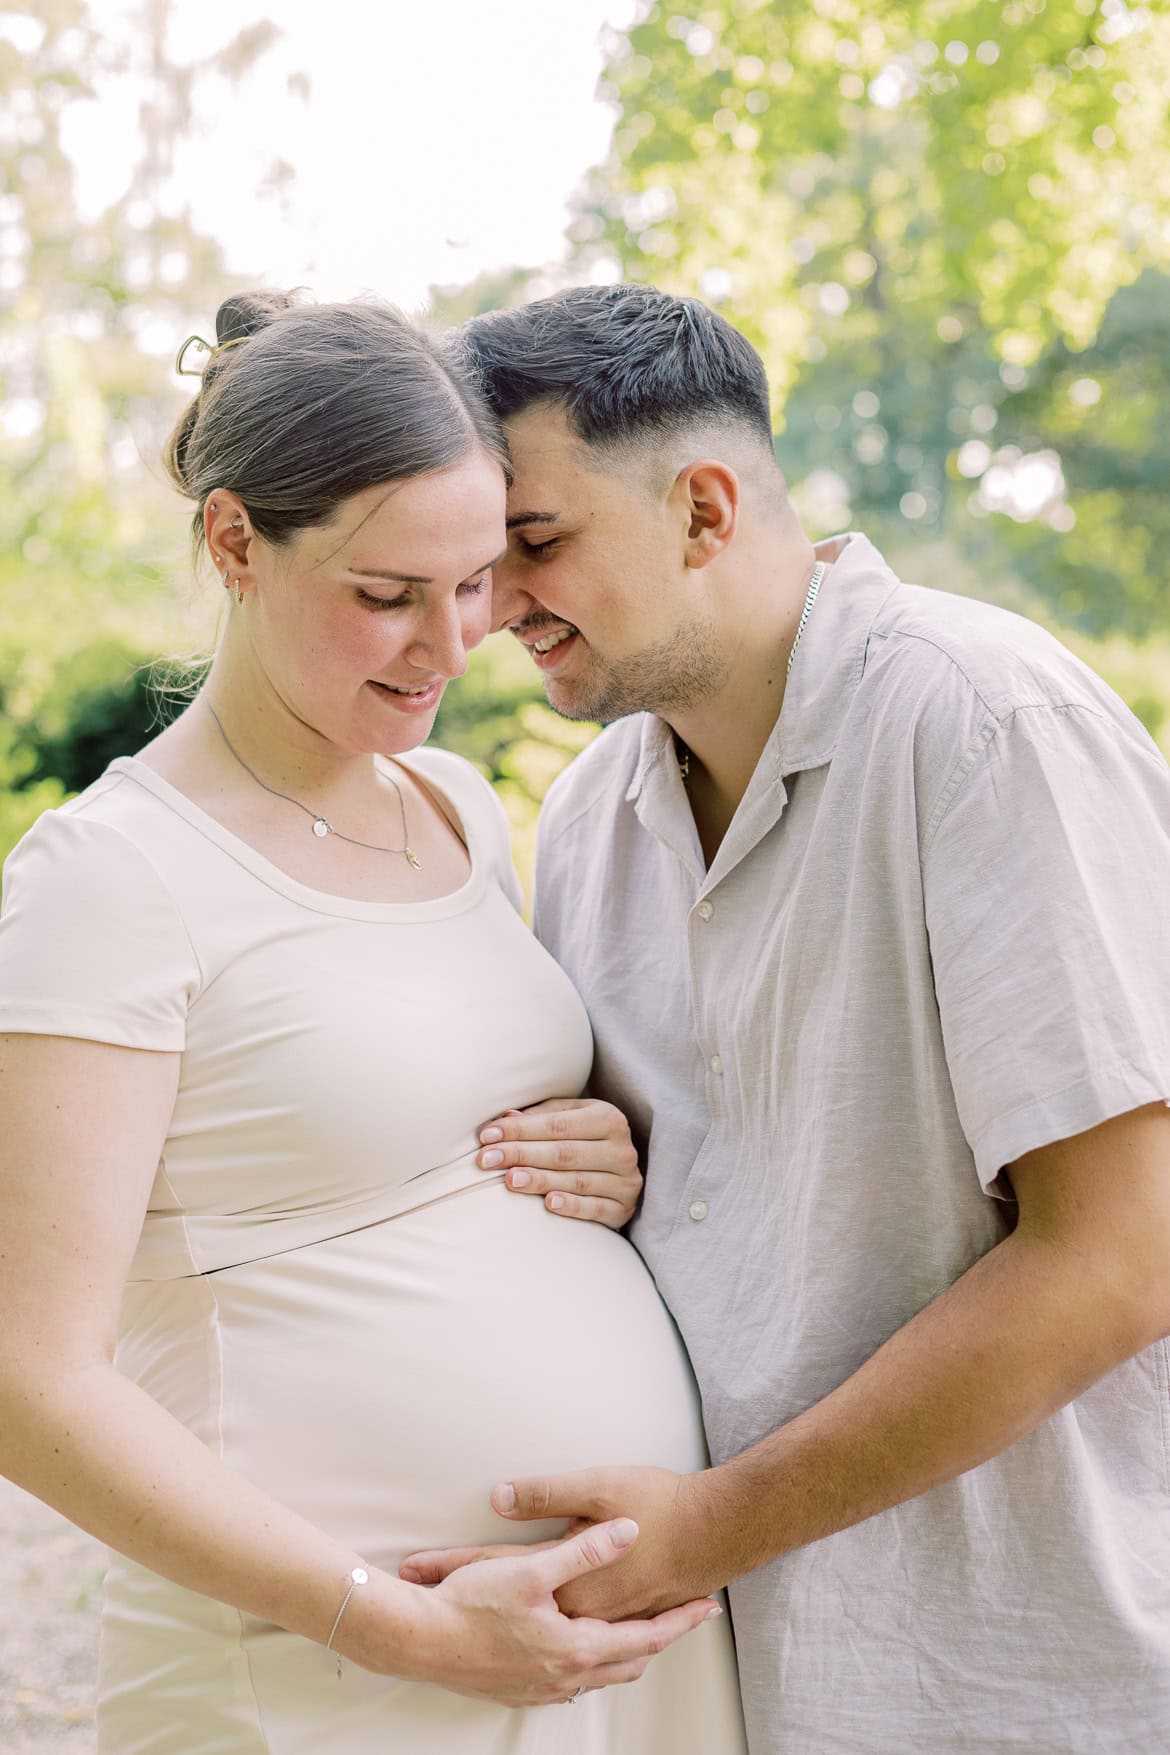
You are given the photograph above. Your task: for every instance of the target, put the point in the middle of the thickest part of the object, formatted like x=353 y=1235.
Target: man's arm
x=1080 y=1285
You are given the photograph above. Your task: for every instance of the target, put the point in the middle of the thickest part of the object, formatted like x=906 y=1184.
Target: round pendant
x=321 y=828
x=413 y=859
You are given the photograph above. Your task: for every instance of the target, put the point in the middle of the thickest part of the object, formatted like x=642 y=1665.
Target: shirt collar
x=825 y=675
x=831 y=657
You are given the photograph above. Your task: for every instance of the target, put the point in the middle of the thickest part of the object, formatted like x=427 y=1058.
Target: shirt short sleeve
x=1047 y=892
x=91 y=942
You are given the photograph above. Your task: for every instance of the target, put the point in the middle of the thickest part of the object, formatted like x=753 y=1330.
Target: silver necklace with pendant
x=321 y=825
x=814 y=585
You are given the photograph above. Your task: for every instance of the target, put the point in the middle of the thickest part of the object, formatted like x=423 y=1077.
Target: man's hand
x=575 y=1152
x=669 y=1565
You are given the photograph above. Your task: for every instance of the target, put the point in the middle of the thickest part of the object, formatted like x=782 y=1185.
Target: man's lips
x=558 y=640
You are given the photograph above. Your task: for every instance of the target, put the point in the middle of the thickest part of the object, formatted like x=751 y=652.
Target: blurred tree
x=91 y=309
x=920 y=211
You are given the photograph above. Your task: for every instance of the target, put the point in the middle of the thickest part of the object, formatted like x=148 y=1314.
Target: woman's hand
x=495 y=1632
x=575 y=1151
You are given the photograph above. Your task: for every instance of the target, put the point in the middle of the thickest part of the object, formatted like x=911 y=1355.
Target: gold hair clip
x=206 y=347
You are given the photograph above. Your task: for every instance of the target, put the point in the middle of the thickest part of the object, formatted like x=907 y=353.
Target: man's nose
x=510 y=601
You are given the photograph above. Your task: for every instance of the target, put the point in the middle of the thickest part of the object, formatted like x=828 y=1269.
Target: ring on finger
x=571 y=1699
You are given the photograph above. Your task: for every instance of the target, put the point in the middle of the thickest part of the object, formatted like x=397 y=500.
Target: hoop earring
x=237 y=593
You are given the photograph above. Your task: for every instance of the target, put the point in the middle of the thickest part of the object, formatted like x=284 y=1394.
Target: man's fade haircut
x=627 y=364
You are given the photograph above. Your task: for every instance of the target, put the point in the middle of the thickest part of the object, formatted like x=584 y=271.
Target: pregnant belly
x=381 y=1383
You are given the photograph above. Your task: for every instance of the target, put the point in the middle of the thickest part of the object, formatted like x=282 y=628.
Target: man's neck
x=724 y=737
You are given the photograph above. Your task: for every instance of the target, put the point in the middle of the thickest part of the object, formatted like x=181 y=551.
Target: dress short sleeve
x=91 y=942
x=1047 y=891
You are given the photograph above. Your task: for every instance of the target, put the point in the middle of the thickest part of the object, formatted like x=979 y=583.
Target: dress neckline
x=323 y=901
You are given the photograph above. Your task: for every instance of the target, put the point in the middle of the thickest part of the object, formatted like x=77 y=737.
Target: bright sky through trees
x=378 y=147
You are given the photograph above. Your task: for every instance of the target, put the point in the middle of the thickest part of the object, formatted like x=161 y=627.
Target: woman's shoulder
x=92 y=942
x=475 y=801
x=461 y=782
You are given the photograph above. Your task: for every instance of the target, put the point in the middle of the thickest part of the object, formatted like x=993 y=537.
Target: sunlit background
x=945 y=223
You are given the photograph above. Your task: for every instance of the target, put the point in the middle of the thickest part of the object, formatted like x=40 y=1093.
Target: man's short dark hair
x=625 y=363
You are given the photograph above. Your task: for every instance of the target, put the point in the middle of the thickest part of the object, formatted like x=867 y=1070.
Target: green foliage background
x=945 y=223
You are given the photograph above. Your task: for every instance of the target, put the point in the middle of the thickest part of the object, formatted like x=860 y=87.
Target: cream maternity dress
x=373 y=1355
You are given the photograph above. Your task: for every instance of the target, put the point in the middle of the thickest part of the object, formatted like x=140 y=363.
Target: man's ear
x=707 y=493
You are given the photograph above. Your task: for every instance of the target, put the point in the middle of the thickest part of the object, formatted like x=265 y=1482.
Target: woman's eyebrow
x=417 y=578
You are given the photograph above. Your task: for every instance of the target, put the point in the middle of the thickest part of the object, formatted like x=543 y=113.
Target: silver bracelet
x=358 y=1576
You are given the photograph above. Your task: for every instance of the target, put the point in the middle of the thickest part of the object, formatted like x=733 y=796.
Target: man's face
x=595 y=582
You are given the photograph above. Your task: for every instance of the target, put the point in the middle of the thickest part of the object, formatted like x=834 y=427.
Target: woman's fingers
x=598 y=1545
x=650 y=1638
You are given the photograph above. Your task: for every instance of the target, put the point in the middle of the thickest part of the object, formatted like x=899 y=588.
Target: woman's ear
x=709 y=494
x=228 y=531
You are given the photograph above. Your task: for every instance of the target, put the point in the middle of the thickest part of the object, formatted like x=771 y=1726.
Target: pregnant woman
x=265 y=1326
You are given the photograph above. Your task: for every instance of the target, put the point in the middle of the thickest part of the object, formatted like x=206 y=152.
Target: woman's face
x=357 y=626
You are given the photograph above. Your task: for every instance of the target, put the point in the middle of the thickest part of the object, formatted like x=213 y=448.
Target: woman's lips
x=421 y=703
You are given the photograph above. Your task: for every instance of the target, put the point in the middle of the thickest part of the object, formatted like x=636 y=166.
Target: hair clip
x=206 y=347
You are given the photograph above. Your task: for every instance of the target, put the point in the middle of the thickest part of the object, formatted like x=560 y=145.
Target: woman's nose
x=442 y=642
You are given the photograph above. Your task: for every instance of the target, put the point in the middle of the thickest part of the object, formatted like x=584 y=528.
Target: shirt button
x=716 y=1065
x=698 y=1211
x=705 y=910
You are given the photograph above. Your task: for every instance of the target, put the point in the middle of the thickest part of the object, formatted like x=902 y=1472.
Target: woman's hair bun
x=245 y=314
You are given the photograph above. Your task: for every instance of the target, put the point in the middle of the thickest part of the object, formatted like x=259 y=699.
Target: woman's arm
x=83 y=1129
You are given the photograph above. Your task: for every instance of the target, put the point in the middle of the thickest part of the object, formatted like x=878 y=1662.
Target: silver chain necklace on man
x=814 y=585
x=321 y=825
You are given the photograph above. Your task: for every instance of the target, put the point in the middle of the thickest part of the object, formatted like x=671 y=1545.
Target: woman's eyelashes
x=469 y=588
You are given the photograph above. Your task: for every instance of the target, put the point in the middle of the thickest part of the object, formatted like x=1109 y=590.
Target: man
x=866 y=891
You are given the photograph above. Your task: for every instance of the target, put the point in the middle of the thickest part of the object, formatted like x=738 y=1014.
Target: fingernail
x=520 y=1178
x=489 y=1160
x=489 y=1135
x=504 y=1498
x=712 y=1612
x=409 y=1575
x=623 y=1532
x=556 y=1202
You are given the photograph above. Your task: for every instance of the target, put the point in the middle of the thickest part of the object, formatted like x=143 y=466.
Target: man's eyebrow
x=520 y=519
x=417 y=578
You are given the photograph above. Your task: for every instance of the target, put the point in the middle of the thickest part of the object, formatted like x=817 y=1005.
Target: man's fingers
x=568 y=1119
x=433 y=1565
x=575 y=1496
x=613 y=1213
x=599 y=1545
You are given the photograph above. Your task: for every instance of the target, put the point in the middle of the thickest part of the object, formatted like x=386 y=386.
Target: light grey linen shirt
x=936 y=936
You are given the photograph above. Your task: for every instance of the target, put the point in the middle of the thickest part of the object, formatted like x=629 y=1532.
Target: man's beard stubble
x=677 y=674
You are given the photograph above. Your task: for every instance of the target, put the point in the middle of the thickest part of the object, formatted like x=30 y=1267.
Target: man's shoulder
x=598 y=778
x=959 y=648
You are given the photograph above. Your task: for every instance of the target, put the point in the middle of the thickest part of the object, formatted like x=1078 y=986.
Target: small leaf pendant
x=413 y=859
